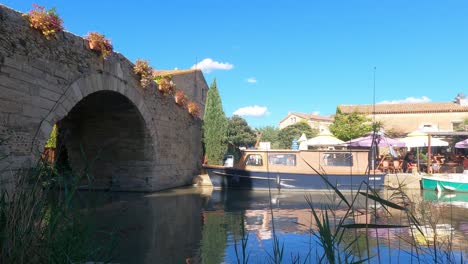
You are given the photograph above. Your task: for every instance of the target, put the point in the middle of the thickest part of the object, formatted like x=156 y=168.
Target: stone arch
x=42 y=81
x=105 y=131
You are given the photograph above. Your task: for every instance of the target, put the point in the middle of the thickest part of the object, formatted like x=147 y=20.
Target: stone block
x=8 y=106
x=43 y=102
x=34 y=111
x=75 y=88
x=16 y=62
x=50 y=95
x=14 y=84
x=13 y=95
x=62 y=73
x=67 y=103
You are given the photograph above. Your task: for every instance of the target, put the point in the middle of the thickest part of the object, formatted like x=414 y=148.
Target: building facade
x=405 y=118
x=321 y=123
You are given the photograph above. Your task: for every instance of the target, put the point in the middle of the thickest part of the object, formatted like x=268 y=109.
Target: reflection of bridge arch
x=141 y=140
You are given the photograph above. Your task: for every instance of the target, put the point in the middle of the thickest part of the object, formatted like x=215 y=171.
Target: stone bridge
x=125 y=136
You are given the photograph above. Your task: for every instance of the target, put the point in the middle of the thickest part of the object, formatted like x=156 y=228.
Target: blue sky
x=274 y=57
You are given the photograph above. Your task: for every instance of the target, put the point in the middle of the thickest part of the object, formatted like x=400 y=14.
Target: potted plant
x=145 y=72
x=193 y=108
x=99 y=43
x=180 y=98
x=165 y=84
x=46 y=21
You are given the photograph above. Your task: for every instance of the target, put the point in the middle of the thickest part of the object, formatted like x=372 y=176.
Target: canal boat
x=450 y=182
x=296 y=170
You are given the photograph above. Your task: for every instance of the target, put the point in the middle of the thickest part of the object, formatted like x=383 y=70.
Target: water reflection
x=193 y=225
x=157 y=228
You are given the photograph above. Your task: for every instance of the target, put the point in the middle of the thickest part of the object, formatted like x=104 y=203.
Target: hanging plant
x=165 y=84
x=180 y=98
x=145 y=72
x=193 y=108
x=99 y=43
x=46 y=21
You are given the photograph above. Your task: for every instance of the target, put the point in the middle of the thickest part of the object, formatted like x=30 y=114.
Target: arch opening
x=105 y=138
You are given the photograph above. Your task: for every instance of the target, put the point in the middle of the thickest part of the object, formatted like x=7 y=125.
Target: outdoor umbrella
x=373 y=140
x=379 y=140
x=417 y=139
x=462 y=144
x=324 y=139
x=302 y=142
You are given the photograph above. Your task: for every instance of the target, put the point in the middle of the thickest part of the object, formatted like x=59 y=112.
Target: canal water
x=194 y=225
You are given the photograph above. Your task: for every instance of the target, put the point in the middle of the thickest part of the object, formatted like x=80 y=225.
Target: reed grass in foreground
x=401 y=228
x=40 y=224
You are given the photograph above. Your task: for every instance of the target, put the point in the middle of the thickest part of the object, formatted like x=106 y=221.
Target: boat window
x=282 y=159
x=254 y=160
x=337 y=159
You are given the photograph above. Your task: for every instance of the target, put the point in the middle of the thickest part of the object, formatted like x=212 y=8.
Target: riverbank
x=403 y=180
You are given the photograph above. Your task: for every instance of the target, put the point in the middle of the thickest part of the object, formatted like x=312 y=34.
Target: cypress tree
x=214 y=127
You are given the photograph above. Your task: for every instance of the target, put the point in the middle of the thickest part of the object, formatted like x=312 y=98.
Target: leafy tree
x=214 y=127
x=269 y=134
x=461 y=126
x=349 y=126
x=287 y=134
x=239 y=133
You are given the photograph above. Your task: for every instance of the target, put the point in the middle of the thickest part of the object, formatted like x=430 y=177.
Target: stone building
x=321 y=123
x=405 y=118
x=192 y=82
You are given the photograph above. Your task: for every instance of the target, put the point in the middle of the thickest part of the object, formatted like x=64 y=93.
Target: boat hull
x=231 y=178
x=458 y=183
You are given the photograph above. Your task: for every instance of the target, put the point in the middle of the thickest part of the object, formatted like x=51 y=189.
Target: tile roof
x=174 y=72
x=309 y=117
x=404 y=108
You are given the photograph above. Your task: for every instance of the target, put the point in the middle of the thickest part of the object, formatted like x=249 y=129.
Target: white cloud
x=252 y=80
x=207 y=65
x=408 y=100
x=255 y=111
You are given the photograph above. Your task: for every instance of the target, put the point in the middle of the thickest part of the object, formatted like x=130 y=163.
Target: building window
x=254 y=160
x=458 y=126
x=293 y=119
x=337 y=159
x=282 y=159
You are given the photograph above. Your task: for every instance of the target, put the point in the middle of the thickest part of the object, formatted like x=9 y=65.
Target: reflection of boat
x=457 y=199
x=296 y=170
x=428 y=234
x=452 y=182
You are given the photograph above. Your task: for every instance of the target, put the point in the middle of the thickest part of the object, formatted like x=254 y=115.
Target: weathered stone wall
x=145 y=141
x=194 y=86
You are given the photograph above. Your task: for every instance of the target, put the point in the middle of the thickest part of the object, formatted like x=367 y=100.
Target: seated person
x=408 y=163
x=435 y=166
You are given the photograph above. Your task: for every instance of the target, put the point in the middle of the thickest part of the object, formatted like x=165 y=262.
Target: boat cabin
x=301 y=161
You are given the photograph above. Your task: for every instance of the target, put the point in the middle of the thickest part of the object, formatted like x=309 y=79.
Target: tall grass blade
x=338 y=192
x=383 y=201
